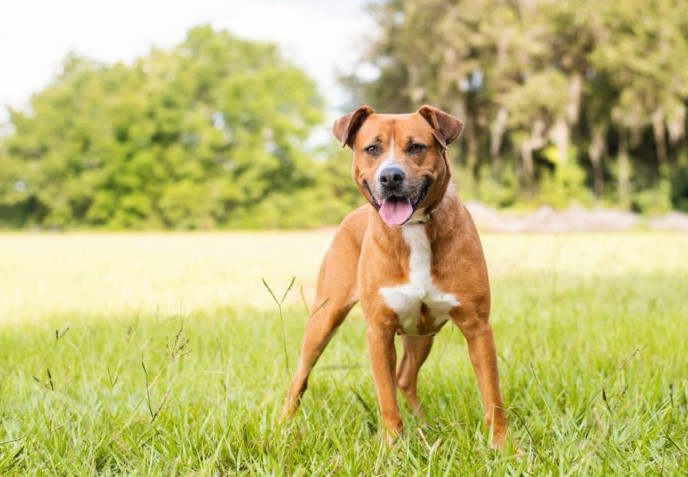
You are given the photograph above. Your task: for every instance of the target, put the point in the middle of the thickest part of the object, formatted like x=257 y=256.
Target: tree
x=202 y=135
x=544 y=86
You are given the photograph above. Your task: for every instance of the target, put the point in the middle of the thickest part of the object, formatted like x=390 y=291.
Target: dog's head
x=400 y=165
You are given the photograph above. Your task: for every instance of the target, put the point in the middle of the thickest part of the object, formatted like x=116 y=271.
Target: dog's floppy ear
x=445 y=127
x=346 y=127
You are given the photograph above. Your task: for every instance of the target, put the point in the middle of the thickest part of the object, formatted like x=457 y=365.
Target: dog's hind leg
x=416 y=350
x=336 y=295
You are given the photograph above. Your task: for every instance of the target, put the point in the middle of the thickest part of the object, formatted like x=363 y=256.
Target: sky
x=320 y=36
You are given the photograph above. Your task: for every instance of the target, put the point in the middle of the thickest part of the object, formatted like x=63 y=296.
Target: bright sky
x=35 y=35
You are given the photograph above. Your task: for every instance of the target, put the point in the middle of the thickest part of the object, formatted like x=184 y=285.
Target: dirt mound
x=671 y=221
x=547 y=219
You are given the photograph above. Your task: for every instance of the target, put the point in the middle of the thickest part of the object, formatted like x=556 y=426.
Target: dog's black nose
x=391 y=177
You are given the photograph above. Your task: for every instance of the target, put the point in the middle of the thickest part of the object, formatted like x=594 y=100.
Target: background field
x=128 y=273
x=161 y=354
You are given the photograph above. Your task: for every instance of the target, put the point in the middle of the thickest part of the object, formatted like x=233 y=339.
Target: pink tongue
x=396 y=212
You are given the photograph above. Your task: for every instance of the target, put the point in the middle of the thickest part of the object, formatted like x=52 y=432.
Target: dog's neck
x=420 y=216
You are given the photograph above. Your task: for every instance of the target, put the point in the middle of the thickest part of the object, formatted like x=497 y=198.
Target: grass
x=164 y=355
x=124 y=274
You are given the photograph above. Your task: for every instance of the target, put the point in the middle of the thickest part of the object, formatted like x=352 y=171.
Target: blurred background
x=168 y=115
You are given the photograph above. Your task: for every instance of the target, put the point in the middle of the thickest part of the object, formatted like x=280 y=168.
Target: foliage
x=563 y=102
x=210 y=133
x=605 y=83
x=565 y=182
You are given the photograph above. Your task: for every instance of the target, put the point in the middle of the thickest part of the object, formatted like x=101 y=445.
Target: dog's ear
x=445 y=127
x=346 y=127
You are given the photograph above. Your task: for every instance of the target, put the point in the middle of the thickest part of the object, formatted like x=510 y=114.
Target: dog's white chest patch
x=406 y=299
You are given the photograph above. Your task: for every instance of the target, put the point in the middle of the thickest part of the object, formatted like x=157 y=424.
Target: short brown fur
x=367 y=255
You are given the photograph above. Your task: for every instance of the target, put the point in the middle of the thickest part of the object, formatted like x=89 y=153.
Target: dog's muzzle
x=397 y=197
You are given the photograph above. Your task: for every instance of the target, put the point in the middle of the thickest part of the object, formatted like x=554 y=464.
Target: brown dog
x=412 y=257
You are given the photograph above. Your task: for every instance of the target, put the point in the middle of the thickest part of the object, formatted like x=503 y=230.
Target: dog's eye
x=373 y=149
x=416 y=148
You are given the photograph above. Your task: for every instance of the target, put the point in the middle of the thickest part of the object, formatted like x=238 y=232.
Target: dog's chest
x=419 y=304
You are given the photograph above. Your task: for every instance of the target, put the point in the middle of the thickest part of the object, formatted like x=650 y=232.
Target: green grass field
x=155 y=354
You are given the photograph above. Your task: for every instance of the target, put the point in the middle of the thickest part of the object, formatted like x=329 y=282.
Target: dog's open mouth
x=397 y=210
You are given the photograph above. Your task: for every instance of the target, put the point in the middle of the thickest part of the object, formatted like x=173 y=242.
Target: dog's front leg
x=383 y=359
x=483 y=356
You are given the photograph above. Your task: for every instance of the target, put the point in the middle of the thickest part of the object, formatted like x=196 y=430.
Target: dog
x=411 y=256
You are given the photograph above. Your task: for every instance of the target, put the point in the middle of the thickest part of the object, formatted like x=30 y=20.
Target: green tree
x=583 y=90
x=208 y=133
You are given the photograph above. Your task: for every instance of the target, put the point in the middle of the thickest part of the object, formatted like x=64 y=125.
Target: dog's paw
x=287 y=414
x=392 y=436
x=498 y=439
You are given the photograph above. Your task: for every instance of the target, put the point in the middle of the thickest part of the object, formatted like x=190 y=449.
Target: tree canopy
x=563 y=100
x=209 y=133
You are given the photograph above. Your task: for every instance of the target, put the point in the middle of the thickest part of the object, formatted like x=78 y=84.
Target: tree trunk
x=624 y=172
x=596 y=152
x=574 y=100
x=660 y=139
x=497 y=130
x=471 y=149
x=561 y=132
x=560 y=136
x=528 y=168
x=676 y=125
x=535 y=141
